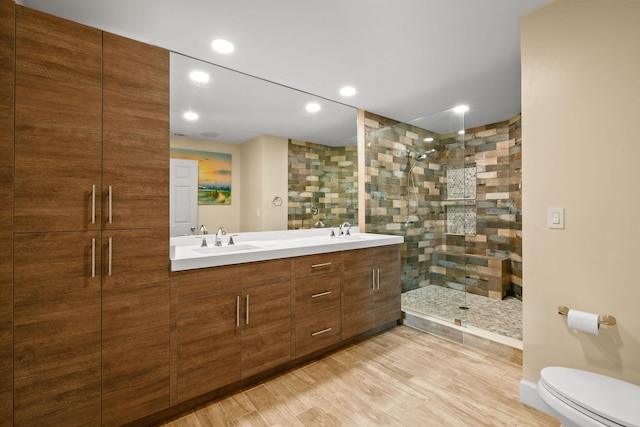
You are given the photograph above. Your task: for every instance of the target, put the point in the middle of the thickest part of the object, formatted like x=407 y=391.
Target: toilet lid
x=595 y=394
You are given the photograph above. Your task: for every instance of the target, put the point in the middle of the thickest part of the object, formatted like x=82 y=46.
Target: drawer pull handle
x=110 y=204
x=93 y=257
x=322 y=294
x=324 y=264
x=321 y=332
x=237 y=311
x=93 y=205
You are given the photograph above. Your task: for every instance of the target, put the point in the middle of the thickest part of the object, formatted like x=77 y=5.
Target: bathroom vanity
x=267 y=310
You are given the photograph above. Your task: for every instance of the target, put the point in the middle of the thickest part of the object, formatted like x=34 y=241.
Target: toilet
x=584 y=399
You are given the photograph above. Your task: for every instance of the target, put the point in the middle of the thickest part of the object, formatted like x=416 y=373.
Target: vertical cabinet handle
x=110 y=204
x=373 y=279
x=247 y=309
x=237 y=311
x=93 y=256
x=110 y=253
x=93 y=205
x=378 y=278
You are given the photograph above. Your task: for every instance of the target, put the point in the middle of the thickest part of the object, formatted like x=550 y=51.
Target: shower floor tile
x=500 y=317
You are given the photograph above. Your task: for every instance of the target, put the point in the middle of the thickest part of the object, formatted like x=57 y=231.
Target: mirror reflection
x=269 y=157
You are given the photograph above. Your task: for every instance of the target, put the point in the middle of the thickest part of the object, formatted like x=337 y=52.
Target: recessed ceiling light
x=347 y=91
x=461 y=109
x=222 y=46
x=191 y=116
x=199 y=76
x=428 y=139
x=313 y=107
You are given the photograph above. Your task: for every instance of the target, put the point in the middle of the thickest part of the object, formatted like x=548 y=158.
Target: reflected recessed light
x=222 y=46
x=428 y=139
x=199 y=76
x=461 y=109
x=191 y=116
x=348 y=91
x=313 y=107
x=461 y=132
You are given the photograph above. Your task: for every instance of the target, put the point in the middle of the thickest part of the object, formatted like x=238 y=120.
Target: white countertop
x=187 y=253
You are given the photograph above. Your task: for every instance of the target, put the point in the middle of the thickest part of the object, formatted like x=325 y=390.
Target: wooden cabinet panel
x=136 y=134
x=58 y=115
x=266 y=336
x=313 y=265
x=206 y=281
x=7 y=46
x=316 y=293
x=370 y=256
x=135 y=325
x=317 y=331
x=358 y=314
x=371 y=293
x=138 y=257
x=135 y=358
x=388 y=294
x=209 y=333
x=56 y=329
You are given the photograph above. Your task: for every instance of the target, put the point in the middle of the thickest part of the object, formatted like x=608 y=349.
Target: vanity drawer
x=317 y=331
x=313 y=265
x=357 y=258
x=318 y=293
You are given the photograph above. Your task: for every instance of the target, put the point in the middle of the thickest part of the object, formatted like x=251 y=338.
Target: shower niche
x=460 y=197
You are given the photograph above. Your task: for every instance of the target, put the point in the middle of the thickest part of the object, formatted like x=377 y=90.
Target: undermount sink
x=225 y=249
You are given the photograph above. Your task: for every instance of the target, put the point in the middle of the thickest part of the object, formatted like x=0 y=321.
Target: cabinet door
x=266 y=337
x=358 y=303
x=57 y=329
x=387 y=295
x=209 y=330
x=136 y=134
x=135 y=324
x=58 y=122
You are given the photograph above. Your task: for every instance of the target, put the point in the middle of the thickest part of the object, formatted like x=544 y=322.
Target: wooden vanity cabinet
x=232 y=322
x=371 y=286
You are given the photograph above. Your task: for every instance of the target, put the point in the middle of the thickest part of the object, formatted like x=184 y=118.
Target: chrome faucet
x=342 y=226
x=221 y=232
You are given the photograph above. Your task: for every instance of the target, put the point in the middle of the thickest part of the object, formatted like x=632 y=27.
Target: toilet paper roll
x=583 y=321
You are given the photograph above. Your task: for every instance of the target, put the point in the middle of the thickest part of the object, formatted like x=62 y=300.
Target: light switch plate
x=555 y=218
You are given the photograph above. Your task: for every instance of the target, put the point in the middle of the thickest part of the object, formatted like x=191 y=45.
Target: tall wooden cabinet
x=57 y=273
x=91 y=283
x=135 y=230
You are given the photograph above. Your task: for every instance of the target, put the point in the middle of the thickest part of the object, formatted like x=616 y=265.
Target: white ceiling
x=406 y=58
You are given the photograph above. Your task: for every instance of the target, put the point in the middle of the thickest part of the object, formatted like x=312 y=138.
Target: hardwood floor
x=403 y=377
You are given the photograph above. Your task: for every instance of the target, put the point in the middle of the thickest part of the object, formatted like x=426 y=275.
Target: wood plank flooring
x=402 y=377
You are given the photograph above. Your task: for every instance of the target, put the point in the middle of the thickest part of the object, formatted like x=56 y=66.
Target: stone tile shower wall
x=323 y=183
x=392 y=208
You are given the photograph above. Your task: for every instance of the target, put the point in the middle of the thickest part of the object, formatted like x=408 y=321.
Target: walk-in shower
x=454 y=194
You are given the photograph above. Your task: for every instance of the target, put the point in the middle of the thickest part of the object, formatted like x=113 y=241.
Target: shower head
x=421 y=156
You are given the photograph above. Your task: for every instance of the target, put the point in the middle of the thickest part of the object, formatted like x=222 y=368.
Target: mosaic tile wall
x=419 y=213
x=323 y=185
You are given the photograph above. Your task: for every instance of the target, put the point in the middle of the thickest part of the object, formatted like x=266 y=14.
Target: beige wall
x=580 y=107
x=214 y=216
x=264 y=177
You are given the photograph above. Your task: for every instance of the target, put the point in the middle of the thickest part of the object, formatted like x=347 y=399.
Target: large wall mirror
x=269 y=157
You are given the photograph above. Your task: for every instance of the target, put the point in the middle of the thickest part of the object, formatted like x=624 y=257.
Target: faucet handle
x=333 y=233
x=231 y=242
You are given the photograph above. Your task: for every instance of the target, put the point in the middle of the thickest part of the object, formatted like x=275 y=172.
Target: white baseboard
x=529 y=396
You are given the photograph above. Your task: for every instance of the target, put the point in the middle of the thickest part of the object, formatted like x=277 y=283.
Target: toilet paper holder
x=606 y=320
